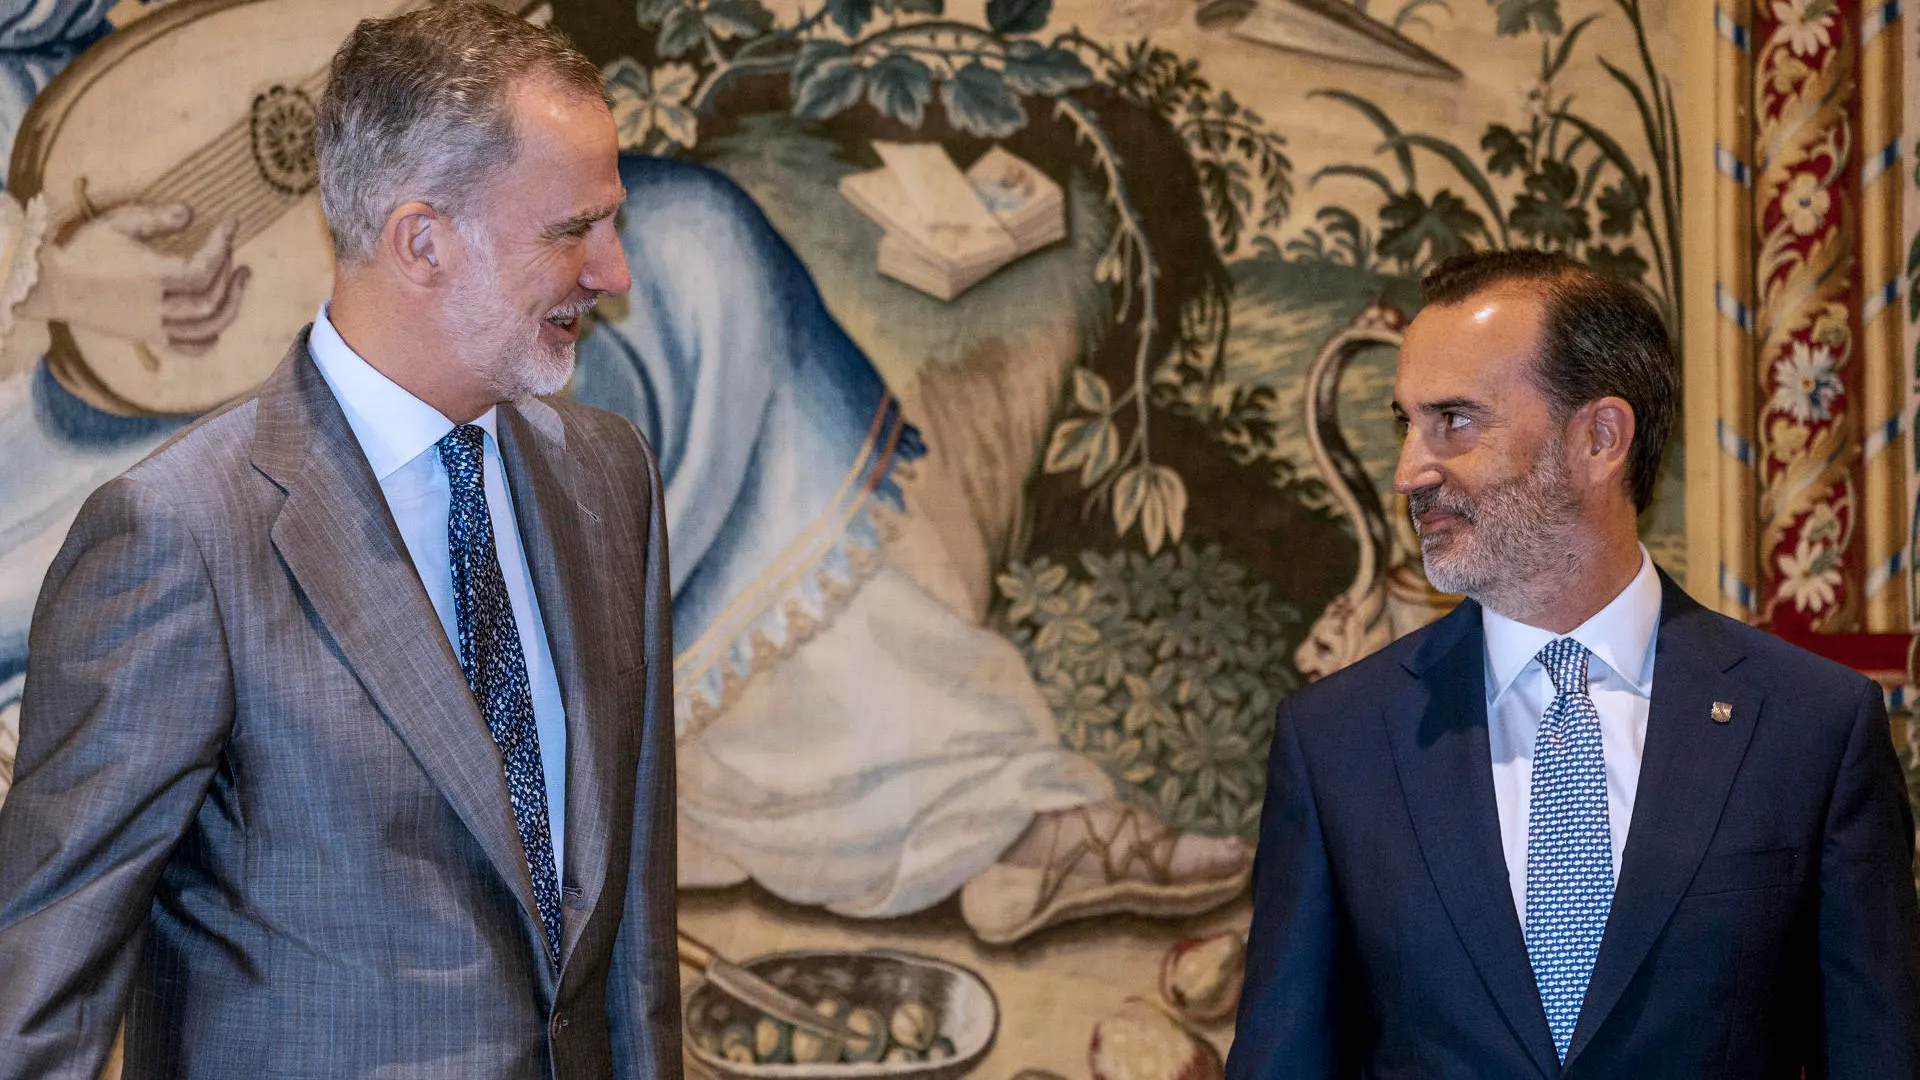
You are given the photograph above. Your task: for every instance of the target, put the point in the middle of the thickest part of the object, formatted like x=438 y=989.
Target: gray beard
x=506 y=353
x=1521 y=545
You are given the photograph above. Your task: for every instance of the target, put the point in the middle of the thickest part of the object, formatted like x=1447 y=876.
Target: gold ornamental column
x=1883 y=382
x=1732 y=360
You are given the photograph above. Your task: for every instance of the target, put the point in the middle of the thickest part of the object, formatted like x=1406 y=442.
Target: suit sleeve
x=1286 y=1024
x=127 y=708
x=1869 y=928
x=643 y=992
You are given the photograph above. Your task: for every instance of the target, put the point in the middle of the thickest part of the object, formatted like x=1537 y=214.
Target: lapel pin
x=1722 y=712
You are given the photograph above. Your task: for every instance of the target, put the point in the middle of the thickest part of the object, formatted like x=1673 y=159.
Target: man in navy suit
x=1581 y=826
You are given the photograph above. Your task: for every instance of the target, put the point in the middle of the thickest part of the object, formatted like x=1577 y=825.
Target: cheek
x=549 y=280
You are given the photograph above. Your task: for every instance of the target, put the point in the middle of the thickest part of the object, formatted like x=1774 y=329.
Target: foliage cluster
x=1569 y=183
x=1164 y=669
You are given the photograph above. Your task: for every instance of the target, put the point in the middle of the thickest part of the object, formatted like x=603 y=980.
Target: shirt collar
x=1620 y=635
x=391 y=425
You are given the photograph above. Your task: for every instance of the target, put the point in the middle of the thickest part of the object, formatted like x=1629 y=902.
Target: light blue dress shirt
x=1622 y=638
x=398 y=433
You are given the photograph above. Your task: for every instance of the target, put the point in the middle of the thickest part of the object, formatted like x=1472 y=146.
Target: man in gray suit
x=346 y=745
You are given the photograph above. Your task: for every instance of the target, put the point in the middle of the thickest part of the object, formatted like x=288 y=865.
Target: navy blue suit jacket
x=1764 y=921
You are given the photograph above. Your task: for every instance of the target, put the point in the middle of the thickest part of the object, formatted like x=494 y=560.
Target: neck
x=1598 y=568
x=406 y=343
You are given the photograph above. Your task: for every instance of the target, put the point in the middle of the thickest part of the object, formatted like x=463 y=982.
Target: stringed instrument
x=210 y=103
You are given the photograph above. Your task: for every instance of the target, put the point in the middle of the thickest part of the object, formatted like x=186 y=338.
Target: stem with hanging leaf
x=1130 y=223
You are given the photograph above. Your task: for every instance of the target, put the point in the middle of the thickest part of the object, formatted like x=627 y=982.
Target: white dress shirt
x=1620 y=638
x=398 y=433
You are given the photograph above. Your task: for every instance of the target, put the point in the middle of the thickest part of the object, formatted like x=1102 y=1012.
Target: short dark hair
x=417 y=107
x=1601 y=338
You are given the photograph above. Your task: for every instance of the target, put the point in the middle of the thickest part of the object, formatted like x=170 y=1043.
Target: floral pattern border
x=1808 y=303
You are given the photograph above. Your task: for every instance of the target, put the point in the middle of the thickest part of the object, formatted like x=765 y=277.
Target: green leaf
x=1565 y=52
x=1090 y=391
x=1033 y=68
x=977 y=102
x=679 y=123
x=1091 y=443
x=1624 y=263
x=850 y=15
x=1554 y=180
x=650 y=12
x=1618 y=204
x=1516 y=17
x=1170 y=790
x=626 y=73
x=1389 y=131
x=1505 y=151
x=1546 y=211
x=680 y=33
x=831 y=88
x=1103 y=455
x=914 y=7
x=1464 y=166
x=812 y=54
x=1441 y=228
x=1224 y=187
x=900 y=87
x=1164 y=513
x=1018 y=16
x=730 y=19
x=1409 y=13
x=1362 y=172
x=1129 y=495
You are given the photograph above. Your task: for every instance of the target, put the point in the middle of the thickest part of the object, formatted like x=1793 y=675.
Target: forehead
x=1482 y=347
x=568 y=159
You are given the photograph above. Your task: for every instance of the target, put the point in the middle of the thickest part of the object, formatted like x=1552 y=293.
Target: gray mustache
x=574 y=310
x=1437 y=499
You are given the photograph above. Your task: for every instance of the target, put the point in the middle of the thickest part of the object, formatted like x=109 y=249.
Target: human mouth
x=1433 y=516
x=567 y=319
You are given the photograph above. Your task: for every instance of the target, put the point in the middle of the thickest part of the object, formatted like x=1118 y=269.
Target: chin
x=539 y=371
x=552 y=374
x=1448 y=575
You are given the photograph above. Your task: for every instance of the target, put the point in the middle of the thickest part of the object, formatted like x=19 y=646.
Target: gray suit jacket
x=247 y=750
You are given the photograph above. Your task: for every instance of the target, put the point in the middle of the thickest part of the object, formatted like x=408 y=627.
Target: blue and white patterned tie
x=495 y=667
x=1569 y=848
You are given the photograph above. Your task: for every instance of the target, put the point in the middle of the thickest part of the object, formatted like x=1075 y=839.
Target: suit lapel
x=1686 y=771
x=338 y=540
x=559 y=513
x=1438 y=731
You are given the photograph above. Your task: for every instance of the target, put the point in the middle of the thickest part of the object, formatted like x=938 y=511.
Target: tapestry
x=1019 y=372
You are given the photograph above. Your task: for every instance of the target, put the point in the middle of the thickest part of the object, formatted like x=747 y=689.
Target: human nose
x=605 y=270
x=1416 y=470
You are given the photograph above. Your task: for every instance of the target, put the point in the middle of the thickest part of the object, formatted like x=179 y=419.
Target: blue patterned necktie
x=1569 y=847
x=495 y=667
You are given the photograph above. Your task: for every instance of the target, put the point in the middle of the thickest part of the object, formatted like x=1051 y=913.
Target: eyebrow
x=1451 y=404
x=581 y=222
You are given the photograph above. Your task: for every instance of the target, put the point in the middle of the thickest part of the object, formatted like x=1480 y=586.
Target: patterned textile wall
x=996 y=540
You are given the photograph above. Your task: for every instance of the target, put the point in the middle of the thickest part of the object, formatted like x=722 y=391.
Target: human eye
x=1454 y=421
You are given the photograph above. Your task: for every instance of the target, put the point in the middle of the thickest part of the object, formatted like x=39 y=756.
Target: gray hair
x=417 y=108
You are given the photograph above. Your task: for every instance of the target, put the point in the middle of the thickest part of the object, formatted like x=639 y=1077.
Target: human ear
x=1606 y=435
x=415 y=242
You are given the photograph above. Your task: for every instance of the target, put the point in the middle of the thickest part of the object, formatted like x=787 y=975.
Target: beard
x=503 y=346
x=1520 y=537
